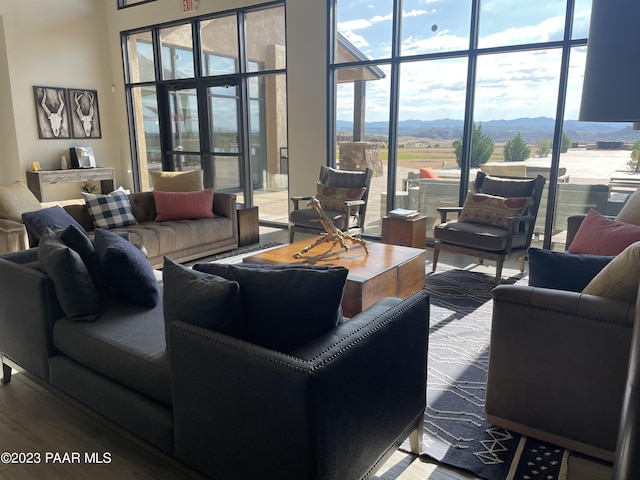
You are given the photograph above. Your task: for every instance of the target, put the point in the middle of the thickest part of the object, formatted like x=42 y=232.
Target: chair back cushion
x=343 y=178
x=504 y=187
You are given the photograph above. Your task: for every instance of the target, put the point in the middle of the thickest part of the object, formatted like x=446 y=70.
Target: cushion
x=208 y=301
x=183 y=205
x=563 y=270
x=285 y=306
x=333 y=198
x=599 y=235
x=428 y=172
x=504 y=187
x=630 y=212
x=51 y=217
x=79 y=242
x=15 y=199
x=491 y=209
x=126 y=270
x=619 y=279
x=76 y=292
x=109 y=211
x=189 y=181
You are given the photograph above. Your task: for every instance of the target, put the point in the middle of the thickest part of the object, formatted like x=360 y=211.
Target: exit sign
x=189 y=5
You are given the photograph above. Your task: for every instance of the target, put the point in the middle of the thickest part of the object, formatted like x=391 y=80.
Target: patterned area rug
x=456 y=432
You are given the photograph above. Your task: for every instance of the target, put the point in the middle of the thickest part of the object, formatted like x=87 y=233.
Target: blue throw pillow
x=75 y=290
x=208 y=301
x=52 y=217
x=285 y=306
x=80 y=243
x=563 y=270
x=126 y=270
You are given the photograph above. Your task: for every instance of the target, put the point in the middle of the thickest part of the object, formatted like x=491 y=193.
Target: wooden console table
x=36 y=180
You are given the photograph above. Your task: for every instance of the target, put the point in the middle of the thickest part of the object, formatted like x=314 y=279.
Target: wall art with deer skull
x=84 y=113
x=52 y=112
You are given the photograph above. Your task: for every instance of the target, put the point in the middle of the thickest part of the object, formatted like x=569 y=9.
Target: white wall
x=59 y=44
x=76 y=43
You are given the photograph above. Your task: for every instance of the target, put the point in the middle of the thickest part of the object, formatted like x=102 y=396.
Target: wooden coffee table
x=388 y=270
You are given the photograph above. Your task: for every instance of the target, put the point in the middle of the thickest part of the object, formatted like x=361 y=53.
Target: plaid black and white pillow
x=110 y=211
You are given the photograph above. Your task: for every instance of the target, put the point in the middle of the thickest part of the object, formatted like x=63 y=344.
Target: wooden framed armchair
x=343 y=195
x=499 y=231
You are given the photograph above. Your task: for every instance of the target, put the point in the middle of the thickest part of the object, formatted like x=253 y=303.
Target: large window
x=209 y=93
x=414 y=82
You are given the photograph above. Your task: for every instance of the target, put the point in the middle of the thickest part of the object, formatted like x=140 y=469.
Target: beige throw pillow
x=189 y=181
x=630 y=212
x=620 y=278
x=16 y=199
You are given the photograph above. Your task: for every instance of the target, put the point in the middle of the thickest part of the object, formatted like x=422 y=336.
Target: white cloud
x=549 y=29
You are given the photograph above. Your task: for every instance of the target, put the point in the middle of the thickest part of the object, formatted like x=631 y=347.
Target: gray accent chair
x=306 y=220
x=490 y=241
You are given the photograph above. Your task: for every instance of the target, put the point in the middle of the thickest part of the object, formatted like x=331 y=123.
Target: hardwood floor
x=41 y=420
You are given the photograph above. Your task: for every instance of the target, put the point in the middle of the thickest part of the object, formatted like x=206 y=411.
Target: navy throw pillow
x=76 y=292
x=285 y=306
x=563 y=270
x=202 y=299
x=126 y=270
x=80 y=243
x=52 y=217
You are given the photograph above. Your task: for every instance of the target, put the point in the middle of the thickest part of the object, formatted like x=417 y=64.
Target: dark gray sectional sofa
x=336 y=410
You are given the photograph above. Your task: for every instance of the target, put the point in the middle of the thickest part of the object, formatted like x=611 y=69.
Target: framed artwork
x=51 y=112
x=84 y=113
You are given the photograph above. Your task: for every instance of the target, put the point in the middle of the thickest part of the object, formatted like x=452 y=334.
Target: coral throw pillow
x=599 y=235
x=428 y=172
x=183 y=205
x=491 y=209
x=333 y=198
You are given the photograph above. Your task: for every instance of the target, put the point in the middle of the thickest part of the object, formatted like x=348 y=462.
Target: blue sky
x=521 y=84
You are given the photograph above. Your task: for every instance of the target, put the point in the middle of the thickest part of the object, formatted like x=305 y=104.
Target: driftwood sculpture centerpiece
x=332 y=233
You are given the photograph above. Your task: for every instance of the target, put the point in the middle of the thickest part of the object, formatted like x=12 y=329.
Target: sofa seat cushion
x=477 y=235
x=161 y=238
x=127 y=344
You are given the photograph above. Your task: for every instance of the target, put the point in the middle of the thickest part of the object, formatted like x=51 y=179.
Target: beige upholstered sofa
x=181 y=240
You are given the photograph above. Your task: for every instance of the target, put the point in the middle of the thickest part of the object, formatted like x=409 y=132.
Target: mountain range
x=532 y=129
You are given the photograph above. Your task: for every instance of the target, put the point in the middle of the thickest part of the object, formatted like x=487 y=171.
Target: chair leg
x=499 y=270
x=436 y=252
x=291 y=234
x=522 y=264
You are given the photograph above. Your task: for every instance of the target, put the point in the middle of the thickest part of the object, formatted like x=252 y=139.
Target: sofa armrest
x=558 y=364
x=358 y=393
x=224 y=204
x=28 y=310
x=13 y=236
